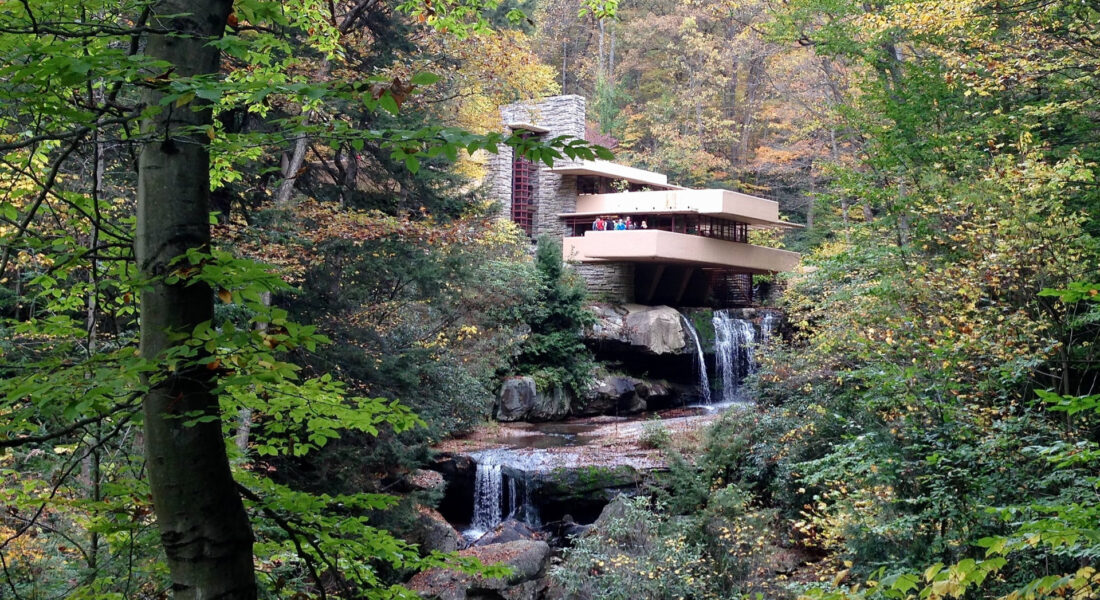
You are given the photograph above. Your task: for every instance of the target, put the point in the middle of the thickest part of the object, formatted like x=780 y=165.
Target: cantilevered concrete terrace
x=686 y=246
x=617 y=172
x=707 y=228
x=656 y=246
x=722 y=204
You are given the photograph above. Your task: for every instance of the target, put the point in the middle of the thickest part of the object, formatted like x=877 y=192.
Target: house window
x=525 y=175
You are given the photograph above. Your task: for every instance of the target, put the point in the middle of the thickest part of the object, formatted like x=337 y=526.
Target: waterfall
x=512 y=504
x=496 y=486
x=767 y=328
x=734 y=352
x=700 y=361
x=488 y=489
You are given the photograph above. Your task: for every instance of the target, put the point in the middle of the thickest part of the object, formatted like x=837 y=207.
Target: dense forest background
x=930 y=426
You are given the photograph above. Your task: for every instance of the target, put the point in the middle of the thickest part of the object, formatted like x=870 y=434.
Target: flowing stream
x=503 y=482
x=700 y=361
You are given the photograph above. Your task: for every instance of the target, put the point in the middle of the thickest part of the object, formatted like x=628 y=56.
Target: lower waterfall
x=498 y=484
x=488 y=489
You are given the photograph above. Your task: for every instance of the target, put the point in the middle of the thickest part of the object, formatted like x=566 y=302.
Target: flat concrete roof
x=603 y=168
x=525 y=126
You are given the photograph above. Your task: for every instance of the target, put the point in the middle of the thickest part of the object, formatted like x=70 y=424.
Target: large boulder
x=616 y=509
x=640 y=535
x=611 y=395
x=563 y=532
x=656 y=393
x=431 y=532
x=517 y=396
x=655 y=330
x=607 y=394
x=520 y=400
x=509 y=530
x=552 y=405
x=527 y=560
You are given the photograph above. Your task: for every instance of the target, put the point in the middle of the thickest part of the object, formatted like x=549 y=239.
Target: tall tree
x=203 y=526
x=99 y=96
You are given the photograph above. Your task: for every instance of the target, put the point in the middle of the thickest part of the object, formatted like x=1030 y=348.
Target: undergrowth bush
x=648 y=552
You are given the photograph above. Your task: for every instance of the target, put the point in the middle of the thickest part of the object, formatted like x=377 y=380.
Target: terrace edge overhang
x=610 y=170
x=655 y=246
x=757 y=212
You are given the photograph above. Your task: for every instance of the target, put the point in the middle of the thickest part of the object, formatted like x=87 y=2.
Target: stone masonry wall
x=557 y=194
x=608 y=282
x=561 y=115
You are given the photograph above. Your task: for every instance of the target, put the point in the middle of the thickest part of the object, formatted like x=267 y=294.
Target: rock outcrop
x=611 y=395
x=526 y=558
x=520 y=400
x=655 y=330
x=581 y=492
x=431 y=532
x=458 y=470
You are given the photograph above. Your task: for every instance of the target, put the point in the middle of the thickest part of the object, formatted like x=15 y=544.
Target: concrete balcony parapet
x=655 y=246
x=757 y=212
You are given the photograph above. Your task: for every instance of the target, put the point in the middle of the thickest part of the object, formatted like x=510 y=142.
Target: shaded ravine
x=520 y=472
x=535 y=473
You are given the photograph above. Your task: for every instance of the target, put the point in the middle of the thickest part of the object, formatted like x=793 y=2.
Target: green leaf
x=388 y=103
x=185 y=99
x=906 y=582
x=424 y=78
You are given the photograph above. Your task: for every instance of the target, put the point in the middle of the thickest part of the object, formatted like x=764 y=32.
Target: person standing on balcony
x=599 y=224
x=629 y=224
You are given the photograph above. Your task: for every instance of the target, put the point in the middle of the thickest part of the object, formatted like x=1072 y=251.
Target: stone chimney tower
x=529 y=194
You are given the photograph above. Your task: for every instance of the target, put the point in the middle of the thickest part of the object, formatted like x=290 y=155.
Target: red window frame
x=524 y=201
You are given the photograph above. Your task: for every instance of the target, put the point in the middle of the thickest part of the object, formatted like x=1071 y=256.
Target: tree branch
x=35 y=439
x=293 y=532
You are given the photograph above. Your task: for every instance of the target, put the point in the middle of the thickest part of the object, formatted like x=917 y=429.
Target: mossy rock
x=702 y=319
x=582 y=492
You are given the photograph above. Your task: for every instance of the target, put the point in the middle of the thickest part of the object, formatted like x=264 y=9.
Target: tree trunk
x=843 y=201
x=203 y=525
x=599 y=54
x=564 y=64
x=611 y=59
x=290 y=174
x=753 y=84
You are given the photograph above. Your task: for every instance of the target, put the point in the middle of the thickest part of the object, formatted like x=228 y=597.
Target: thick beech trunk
x=202 y=521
